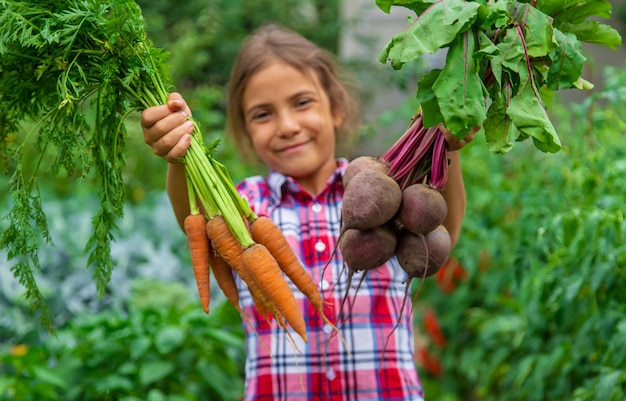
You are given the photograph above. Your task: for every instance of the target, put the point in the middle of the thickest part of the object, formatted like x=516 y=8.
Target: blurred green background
x=532 y=306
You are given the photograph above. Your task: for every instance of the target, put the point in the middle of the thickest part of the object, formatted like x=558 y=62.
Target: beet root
x=439 y=246
x=367 y=249
x=362 y=163
x=371 y=200
x=422 y=255
x=412 y=253
x=423 y=209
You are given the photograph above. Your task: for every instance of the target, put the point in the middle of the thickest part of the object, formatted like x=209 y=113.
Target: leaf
x=433 y=29
x=224 y=337
x=574 y=284
x=112 y=383
x=459 y=89
x=151 y=372
x=139 y=347
x=431 y=115
x=555 y=8
x=21 y=239
x=415 y=5
x=567 y=62
x=607 y=384
x=575 y=12
x=219 y=381
x=510 y=55
x=536 y=27
x=594 y=32
x=486 y=47
x=500 y=131
x=169 y=338
x=486 y=51
x=49 y=376
x=528 y=114
x=156 y=395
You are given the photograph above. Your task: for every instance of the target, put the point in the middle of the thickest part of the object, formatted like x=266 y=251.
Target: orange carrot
x=264 y=231
x=224 y=278
x=224 y=242
x=199 y=249
x=260 y=272
x=260 y=305
x=230 y=251
x=263 y=268
x=223 y=274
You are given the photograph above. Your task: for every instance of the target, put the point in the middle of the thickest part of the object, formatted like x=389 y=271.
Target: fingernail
x=182 y=113
x=189 y=125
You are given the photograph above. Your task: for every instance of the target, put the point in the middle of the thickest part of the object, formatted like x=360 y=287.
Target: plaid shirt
x=325 y=370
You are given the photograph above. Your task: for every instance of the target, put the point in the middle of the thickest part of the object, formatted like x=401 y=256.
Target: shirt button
x=316 y=208
x=327 y=328
x=330 y=374
x=320 y=246
x=324 y=285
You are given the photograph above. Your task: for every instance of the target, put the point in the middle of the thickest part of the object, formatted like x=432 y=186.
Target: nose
x=288 y=124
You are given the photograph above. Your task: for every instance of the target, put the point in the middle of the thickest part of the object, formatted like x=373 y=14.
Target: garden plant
x=531 y=305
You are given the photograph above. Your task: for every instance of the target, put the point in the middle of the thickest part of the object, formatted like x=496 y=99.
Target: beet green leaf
x=459 y=90
x=506 y=55
x=437 y=26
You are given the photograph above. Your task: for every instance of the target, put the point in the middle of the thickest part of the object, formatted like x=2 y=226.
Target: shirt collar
x=279 y=184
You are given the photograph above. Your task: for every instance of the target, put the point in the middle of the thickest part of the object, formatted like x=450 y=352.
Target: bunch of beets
x=393 y=205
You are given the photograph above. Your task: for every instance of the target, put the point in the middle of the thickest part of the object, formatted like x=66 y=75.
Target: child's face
x=291 y=124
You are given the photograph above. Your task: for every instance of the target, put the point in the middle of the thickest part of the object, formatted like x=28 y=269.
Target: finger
x=162 y=145
x=475 y=130
x=179 y=149
x=153 y=114
x=164 y=126
x=470 y=137
x=444 y=130
x=175 y=102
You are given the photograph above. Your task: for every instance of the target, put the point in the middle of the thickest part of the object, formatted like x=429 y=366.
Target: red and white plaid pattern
x=378 y=362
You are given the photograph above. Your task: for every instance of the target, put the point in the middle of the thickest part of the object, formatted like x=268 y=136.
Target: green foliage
x=204 y=36
x=501 y=56
x=78 y=70
x=542 y=312
x=163 y=348
x=149 y=245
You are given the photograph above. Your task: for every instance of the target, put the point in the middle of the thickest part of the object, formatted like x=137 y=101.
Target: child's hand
x=455 y=143
x=166 y=128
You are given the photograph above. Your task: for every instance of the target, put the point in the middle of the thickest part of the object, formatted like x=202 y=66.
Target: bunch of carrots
x=55 y=76
x=226 y=236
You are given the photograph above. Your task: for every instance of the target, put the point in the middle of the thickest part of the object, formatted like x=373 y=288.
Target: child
x=287 y=105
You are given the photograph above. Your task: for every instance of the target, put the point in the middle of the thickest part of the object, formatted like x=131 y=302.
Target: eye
x=303 y=102
x=260 y=115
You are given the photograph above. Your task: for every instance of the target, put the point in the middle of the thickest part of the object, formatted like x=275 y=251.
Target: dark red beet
x=412 y=253
x=423 y=208
x=367 y=249
x=371 y=200
x=362 y=163
x=422 y=255
x=439 y=246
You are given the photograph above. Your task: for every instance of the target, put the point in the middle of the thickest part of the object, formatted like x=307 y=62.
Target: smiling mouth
x=293 y=148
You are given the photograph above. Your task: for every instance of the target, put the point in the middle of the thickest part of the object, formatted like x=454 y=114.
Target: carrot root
x=199 y=249
x=262 y=266
x=265 y=232
x=259 y=270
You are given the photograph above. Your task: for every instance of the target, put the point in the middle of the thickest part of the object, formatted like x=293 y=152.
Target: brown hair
x=270 y=43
